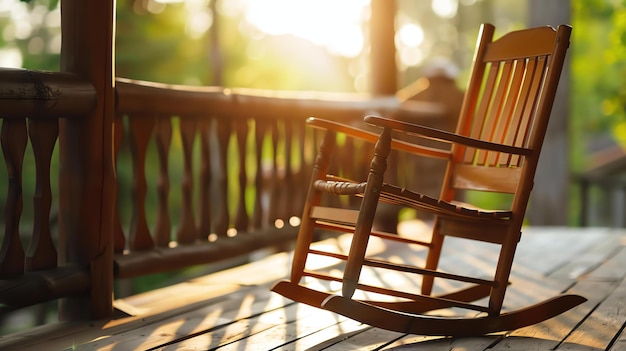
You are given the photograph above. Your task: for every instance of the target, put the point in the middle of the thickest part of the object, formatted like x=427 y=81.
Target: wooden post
x=86 y=159
x=549 y=199
x=383 y=49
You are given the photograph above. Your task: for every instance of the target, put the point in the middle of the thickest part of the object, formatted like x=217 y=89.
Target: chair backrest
x=508 y=101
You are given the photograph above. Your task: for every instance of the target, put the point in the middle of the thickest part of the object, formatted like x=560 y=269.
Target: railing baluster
x=223 y=136
x=187 y=230
x=260 y=130
x=273 y=182
x=302 y=171
x=41 y=252
x=163 y=226
x=204 y=200
x=13 y=138
x=140 y=132
x=287 y=190
x=119 y=240
x=241 y=217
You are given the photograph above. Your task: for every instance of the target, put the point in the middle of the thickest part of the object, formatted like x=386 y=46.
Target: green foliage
x=598 y=57
x=153 y=46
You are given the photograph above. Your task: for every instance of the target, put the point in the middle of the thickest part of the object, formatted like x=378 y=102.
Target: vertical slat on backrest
x=222 y=219
x=494 y=114
x=140 y=133
x=506 y=121
x=536 y=81
x=241 y=216
x=481 y=112
x=163 y=226
x=41 y=252
x=518 y=113
x=13 y=138
x=186 y=232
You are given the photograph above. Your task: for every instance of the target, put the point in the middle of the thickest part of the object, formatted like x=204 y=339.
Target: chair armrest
x=444 y=136
x=373 y=138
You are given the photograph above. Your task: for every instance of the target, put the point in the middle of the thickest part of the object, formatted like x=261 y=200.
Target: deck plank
x=604 y=323
x=370 y=339
x=321 y=339
x=544 y=250
x=620 y=344
x=590 y=258
x=549 y=334
x=235 y=310
x=613 y=268
x=158 y=332
x=415 y=342
x=286 y=333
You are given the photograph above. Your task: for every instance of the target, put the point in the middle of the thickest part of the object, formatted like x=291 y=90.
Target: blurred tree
x=611 y=69
x=31 y=35
x=598 y=63
x=153 y=43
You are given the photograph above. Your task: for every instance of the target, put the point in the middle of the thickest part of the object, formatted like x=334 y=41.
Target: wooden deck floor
x=234 y=309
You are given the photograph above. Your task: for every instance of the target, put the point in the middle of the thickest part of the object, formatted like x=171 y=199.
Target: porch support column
x=383 y=49
x=85 y=152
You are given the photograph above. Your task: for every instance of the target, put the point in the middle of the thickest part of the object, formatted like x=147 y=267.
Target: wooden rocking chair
x=496 y=148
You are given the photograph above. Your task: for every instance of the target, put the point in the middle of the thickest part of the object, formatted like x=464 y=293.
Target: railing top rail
x=149 y=98
x=28 y=93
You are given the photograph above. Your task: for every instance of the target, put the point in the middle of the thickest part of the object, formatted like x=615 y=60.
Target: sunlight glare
x=294 y=221
x=6 y=5
x=409 y=39
x=198 y=23
x=279 y=223
x=445 y=8
x=411 y=35
x=335 y=25
x=10 y=57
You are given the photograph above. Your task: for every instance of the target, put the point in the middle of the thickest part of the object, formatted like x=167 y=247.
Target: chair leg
x=314 y=197
x=503 y=271
x=367 y=213
x=432 y=259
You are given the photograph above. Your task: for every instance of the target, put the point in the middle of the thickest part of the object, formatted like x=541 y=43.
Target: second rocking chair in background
x=495 y=148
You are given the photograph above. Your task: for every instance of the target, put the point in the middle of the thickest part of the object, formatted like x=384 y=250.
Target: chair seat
x=401 y=196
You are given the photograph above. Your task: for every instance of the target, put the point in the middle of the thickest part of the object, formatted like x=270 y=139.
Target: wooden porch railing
x=32 y=105
x=214 y=173
x=602 y=188
x=236 y=161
